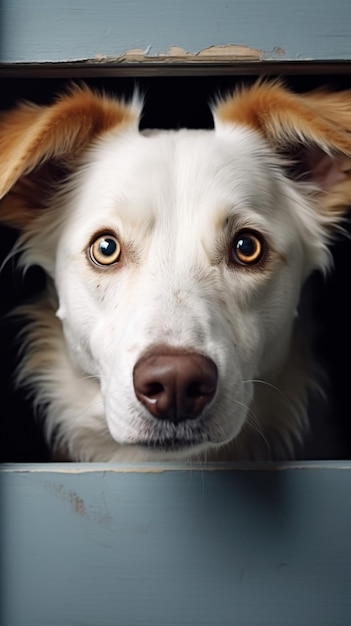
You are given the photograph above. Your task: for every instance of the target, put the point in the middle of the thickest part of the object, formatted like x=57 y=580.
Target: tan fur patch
x=312 y=122
x=32 y=134
x=284 y=117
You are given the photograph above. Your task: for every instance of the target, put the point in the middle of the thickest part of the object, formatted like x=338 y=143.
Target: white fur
x=175 y=200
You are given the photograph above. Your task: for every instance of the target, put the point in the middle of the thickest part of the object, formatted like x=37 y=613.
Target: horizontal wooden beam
x=171 y=30
x=105 y=545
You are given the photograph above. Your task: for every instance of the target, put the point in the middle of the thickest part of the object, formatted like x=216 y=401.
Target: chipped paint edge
x=176 y=54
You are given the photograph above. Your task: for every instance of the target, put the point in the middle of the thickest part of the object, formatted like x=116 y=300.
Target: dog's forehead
x=166 y=155
x=176 y=171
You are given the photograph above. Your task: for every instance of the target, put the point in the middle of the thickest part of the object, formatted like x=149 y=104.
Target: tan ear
x=31 y=136
x=314 y=128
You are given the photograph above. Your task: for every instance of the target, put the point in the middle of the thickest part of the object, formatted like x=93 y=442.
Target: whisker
x=267 y=384
x=254 y=423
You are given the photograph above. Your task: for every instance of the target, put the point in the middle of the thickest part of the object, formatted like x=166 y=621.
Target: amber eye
x=247 y=248
x=105 y=250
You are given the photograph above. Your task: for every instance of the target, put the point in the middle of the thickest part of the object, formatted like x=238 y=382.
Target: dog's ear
x=313 y=129
x=38 y=143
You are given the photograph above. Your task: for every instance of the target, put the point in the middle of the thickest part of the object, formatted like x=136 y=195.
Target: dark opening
x=170 y=101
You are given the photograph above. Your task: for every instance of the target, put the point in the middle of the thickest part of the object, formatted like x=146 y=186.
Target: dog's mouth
x=168 y=437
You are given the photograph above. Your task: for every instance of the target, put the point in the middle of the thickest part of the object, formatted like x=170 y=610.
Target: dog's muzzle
x=175 y=385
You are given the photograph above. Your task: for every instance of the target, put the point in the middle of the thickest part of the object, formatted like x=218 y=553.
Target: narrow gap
x=174 y=97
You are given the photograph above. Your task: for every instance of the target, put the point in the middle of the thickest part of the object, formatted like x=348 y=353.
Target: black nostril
x=196 y=389
x=152 y=390
x=175 y=385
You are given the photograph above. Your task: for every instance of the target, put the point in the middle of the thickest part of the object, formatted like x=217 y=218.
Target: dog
x=175 y=260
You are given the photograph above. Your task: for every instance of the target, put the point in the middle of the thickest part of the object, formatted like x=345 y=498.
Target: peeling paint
x=231 y=52
x=221 y=53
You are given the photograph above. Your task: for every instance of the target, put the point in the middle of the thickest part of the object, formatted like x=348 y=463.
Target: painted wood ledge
x=164 y=545
x=71 y=30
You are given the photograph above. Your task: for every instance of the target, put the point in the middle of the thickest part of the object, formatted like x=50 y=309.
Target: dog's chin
x=188 y=440
x=191 y=448
x=173 y=449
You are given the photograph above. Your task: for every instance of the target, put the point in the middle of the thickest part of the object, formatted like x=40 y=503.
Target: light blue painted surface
x=68 y=30
x=102 y=546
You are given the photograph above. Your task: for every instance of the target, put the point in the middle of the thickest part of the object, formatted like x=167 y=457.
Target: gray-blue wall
x=68 y=30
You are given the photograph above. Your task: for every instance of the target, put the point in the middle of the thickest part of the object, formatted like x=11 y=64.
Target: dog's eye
x=105 y=250
x=247 y=248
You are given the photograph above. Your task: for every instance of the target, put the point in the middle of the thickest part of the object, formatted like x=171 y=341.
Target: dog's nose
x=174 y=385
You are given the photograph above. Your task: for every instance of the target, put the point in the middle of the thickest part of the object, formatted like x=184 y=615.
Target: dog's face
x=178 y=259
x=178 y=277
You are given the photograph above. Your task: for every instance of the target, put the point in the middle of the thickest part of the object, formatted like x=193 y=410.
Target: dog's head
x=178 y=256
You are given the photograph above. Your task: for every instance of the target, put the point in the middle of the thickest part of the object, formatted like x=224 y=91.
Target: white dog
x=175 y=261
